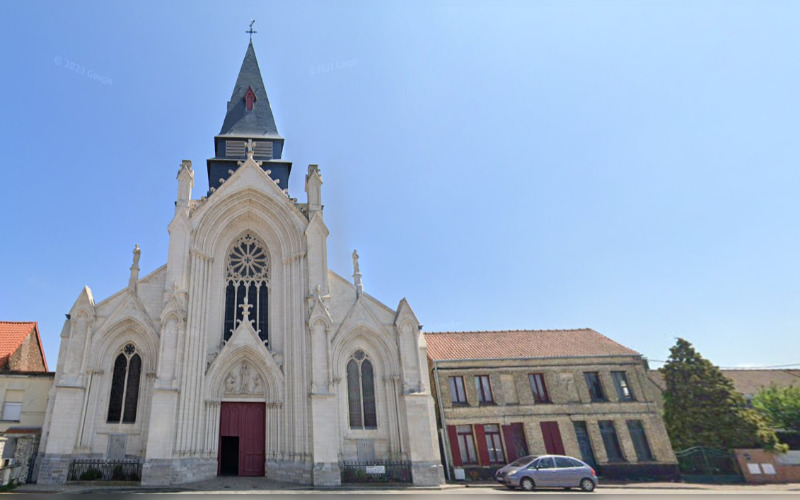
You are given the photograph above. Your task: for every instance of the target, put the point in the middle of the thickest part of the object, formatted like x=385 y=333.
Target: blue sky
x=625 y=166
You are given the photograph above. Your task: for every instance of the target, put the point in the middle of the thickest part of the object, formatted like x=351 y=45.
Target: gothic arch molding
x=127 y=330
x=380 y=349
x=263 y=214
x=259 y=366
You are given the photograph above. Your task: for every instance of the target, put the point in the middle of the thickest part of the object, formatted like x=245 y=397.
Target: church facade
x=244 y=354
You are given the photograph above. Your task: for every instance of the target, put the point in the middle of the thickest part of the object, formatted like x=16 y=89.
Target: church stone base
x=54 y=469
x=289 y=471
x=327 y=474
x=427 y=473
x=161 y=472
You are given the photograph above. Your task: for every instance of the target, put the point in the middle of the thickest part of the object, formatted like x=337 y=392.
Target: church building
x=243 y=354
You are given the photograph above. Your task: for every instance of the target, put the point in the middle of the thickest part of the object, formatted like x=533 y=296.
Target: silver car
x=547 y=471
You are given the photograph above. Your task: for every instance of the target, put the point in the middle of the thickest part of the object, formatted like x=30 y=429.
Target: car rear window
x=564 y=463
x=576 y=463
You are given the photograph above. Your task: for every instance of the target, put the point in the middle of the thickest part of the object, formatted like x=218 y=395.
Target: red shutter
x=511 y=450
x=454 y=450
x=552 y=438
x=483 y=451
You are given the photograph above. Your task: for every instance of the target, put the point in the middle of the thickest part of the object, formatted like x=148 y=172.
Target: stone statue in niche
x=243 y=381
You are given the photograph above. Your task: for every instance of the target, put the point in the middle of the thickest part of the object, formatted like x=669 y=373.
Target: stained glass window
x=361 y=392
x=247 y=278
x=125 y=380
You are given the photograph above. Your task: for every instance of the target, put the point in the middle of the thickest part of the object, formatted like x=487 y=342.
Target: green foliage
x=780 y=406
x=701 y=407
x=117 y=474
x=91 y=475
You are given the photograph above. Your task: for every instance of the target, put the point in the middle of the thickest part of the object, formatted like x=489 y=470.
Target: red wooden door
x=246 y=421
x=552 y=438
x=516 y=446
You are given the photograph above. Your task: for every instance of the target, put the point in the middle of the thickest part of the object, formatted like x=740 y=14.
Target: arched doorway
x=241 y=439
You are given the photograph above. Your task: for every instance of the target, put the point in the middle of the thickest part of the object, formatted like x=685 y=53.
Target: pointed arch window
x=124 y=397
x=361 y=392
x=247 y=276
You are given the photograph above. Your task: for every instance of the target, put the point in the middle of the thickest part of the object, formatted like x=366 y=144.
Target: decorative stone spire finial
x=134 y=269
x=246 y=311
x=185 y=184
x=357 y=275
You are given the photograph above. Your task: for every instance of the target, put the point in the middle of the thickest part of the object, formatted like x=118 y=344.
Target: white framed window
x=12 y=411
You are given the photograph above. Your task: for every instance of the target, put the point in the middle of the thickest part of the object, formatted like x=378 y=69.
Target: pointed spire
x=249 y=113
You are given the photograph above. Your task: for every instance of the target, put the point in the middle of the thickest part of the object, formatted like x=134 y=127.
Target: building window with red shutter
x=494 y=444
x=466 y=444
x=539 y=388
x=484 y=389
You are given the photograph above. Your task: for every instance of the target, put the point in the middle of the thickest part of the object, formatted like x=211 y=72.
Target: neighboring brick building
x=746 y=381
x=505 y=394
x=24 y=387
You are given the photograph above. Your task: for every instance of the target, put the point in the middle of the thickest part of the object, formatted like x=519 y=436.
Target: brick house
x=505 y=394
x=24 y=387
x=747 y=381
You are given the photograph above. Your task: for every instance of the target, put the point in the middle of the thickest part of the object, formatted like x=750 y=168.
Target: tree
x=701 y=407
x=780 y=406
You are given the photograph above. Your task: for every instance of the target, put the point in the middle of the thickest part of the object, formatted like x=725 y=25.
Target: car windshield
x=521 y=461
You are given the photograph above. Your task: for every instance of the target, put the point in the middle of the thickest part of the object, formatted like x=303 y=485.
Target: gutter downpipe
x=445 y=436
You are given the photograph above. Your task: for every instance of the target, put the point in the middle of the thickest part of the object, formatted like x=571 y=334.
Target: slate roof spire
x=248 y=124
x=241 y=122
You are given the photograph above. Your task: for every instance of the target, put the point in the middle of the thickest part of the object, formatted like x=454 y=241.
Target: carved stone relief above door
x=243 y=380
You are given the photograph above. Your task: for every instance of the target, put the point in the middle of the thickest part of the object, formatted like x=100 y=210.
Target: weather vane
x=251 y=30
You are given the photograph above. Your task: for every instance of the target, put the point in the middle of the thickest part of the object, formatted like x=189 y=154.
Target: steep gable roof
x=13 y=334
x=241 y=122
x=510 y=344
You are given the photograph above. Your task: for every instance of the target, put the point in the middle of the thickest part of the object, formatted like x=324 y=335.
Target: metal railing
x=105 y=470
x=376 y=472
x=706 y=464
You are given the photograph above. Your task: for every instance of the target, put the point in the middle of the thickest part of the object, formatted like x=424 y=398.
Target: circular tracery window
x=248 y=260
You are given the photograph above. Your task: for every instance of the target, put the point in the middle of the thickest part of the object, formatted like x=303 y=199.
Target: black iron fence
x=105 y=470
x=376 y=472
x=704 y=464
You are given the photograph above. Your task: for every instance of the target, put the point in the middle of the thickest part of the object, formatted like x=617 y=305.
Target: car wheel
x=587 y=484
x=527 y=484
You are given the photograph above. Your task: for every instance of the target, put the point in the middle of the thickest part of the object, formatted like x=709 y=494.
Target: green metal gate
x=702 y=464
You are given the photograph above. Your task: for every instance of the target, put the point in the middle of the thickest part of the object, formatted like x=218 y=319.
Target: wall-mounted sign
x=376 y=469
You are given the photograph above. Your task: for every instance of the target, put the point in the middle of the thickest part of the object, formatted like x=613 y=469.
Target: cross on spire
x=251 y=30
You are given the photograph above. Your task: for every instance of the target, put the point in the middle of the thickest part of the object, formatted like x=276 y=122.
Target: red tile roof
x=747 y=381
x=12 y=334
x=509 y=344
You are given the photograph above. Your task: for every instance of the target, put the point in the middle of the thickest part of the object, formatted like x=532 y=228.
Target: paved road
x=239 y=485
